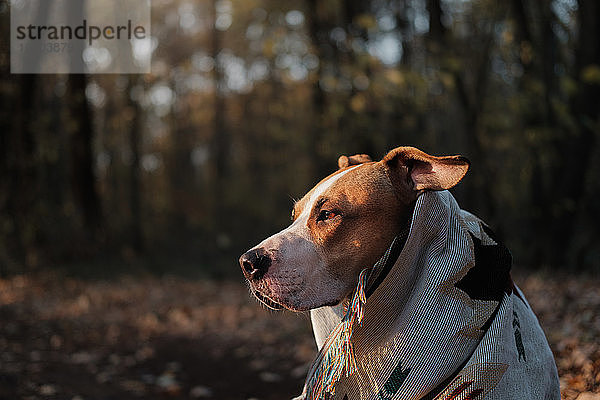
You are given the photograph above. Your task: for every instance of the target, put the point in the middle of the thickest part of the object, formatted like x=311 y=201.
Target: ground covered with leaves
x=156 y=338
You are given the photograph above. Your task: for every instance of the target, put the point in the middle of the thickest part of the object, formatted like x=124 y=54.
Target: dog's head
x=342 y=225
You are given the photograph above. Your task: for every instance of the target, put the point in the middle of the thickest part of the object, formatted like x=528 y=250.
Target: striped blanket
x=442 y=320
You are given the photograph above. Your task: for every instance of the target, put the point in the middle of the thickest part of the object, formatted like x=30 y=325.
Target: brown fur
x=316 y=261
x=368 y=218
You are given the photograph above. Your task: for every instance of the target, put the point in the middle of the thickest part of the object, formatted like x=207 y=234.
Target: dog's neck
x=386 y=262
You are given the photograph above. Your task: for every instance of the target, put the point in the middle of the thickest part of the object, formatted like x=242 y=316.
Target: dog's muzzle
x=255 y=264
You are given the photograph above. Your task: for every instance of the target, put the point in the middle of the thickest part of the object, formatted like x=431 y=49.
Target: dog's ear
x=420 y=171
x=347 y=161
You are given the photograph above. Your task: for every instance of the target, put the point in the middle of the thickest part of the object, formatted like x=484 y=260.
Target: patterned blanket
x=441 y=320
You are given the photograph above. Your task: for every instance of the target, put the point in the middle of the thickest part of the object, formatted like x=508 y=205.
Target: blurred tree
x=135 y=144
x=81 y=132
x=319 y=30
x=250 y=102
x=220 y=136
x=577 y=171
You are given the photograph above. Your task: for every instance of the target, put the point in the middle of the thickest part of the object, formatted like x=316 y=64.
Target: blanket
x=439 y=319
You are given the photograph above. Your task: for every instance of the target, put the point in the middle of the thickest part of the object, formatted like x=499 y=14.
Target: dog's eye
x=326 y=215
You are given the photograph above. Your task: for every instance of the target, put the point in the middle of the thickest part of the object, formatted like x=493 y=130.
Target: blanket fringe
x=337 y=356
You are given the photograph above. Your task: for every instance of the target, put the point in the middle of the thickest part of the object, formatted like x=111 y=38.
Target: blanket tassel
x=337 y=356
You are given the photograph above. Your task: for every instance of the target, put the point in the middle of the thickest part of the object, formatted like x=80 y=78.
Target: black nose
x=255 y=263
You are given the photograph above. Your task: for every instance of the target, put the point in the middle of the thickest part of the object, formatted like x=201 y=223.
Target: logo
x=80 y=36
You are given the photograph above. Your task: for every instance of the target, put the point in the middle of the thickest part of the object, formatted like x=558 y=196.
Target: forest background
x=249 y=103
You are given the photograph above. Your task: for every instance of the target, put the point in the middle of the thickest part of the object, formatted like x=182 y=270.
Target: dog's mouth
x=267 y=301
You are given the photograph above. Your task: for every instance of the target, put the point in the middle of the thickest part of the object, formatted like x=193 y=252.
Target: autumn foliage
x=67 y=338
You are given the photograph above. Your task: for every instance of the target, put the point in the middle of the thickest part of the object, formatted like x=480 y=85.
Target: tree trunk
x=220 y=134
x=319 y=34
x=83 y=181
x=80 y=131
x=220 y=145
x=471 y=98
x=437 y=30
x=579 y=149
x=20 y=162
x=135 y=144
x=21 y=172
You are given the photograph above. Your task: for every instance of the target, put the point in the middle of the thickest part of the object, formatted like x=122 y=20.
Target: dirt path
x=151 y=338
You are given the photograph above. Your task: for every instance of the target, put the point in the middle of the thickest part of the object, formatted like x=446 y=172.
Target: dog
x=410 y=297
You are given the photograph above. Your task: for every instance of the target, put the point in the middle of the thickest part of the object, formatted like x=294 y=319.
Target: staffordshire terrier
x=410 y=296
